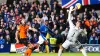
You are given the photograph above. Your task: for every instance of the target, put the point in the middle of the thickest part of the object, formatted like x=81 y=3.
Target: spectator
x=48 y=12
x=33 y=22
x=56 y=19
x=52 y=16
x=51 y=3
x=18 y=7
x=22 y=9
x=34 y=38
x=55 y=12
x=12 y=31
x=98 y=30
x=31 y=16
x=29 y=37
x=27 y=6
x=45 y=4
x=28 y=23
x=6 y=15
x=38 y=19
x=53 y=46
x=37 y=25
x=18 y=19
x=91 y=30
x=20 y=3
x=13 y=20
x=40 y=12
x=10 y=7
x=98 y=22
x=87 y=14
x=6 y=25
x=78 y=18
x=62 y=14
x=60 y=29
x=1 y=15
x=6 y=32
x=36 y=1
x=55 y=27
x=2 y=40
x=25 y=16
x=65 y=32
x=93 y=22
x=7 y=40
x=61 y=23
x=93 y=39
x=16 y=12
x=94 y=14
x=86 y=22
x=11 y=14
x=44 y=18
x=1 y=31
x=83 y=37
x=58 y=37
x=56 y=7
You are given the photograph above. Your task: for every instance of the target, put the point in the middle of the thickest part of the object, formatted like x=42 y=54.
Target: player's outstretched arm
x=33 y=29
x=70 y=18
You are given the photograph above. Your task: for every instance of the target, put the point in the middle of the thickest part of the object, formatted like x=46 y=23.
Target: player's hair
x=46 y=20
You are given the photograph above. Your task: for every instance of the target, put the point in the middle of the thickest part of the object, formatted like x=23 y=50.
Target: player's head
x=23 y=21
x=46 y=22
x=78 y=24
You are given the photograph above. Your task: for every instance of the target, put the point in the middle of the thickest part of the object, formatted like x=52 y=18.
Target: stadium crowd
x=35 y=13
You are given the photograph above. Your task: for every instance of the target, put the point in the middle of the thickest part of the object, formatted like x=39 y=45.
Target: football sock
x=59 y=52
x=83 y=52
x=47 y=48
x=28 y=52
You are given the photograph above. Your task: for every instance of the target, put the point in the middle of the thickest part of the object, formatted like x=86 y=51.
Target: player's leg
x=83 y=51
x=65 y=45
x=80 y=47
x=24 y=42
x=60 y=51
x=41 y=41
x=30 y=49
x=28 y=52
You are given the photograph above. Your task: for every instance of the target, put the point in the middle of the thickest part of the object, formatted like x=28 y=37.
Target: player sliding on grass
x=72 y=37
x=21 y=37
x=22 y=33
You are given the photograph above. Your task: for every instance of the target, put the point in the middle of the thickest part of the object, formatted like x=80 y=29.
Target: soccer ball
x=46 y=42
x=78 y=5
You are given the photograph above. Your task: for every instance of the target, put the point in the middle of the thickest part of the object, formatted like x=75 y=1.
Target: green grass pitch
x=50 y=54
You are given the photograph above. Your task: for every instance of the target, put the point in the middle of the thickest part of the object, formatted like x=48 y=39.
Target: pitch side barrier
x=88 y=48
x=92 y=47
x=7 y=48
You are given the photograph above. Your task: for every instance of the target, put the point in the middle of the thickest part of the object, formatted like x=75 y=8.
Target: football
x=46 y=42
x=78 y=5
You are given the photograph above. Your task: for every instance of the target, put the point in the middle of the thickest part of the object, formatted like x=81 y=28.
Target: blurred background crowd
x=34 y=12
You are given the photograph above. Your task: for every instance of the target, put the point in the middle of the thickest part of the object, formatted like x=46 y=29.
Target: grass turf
x=50 y=54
